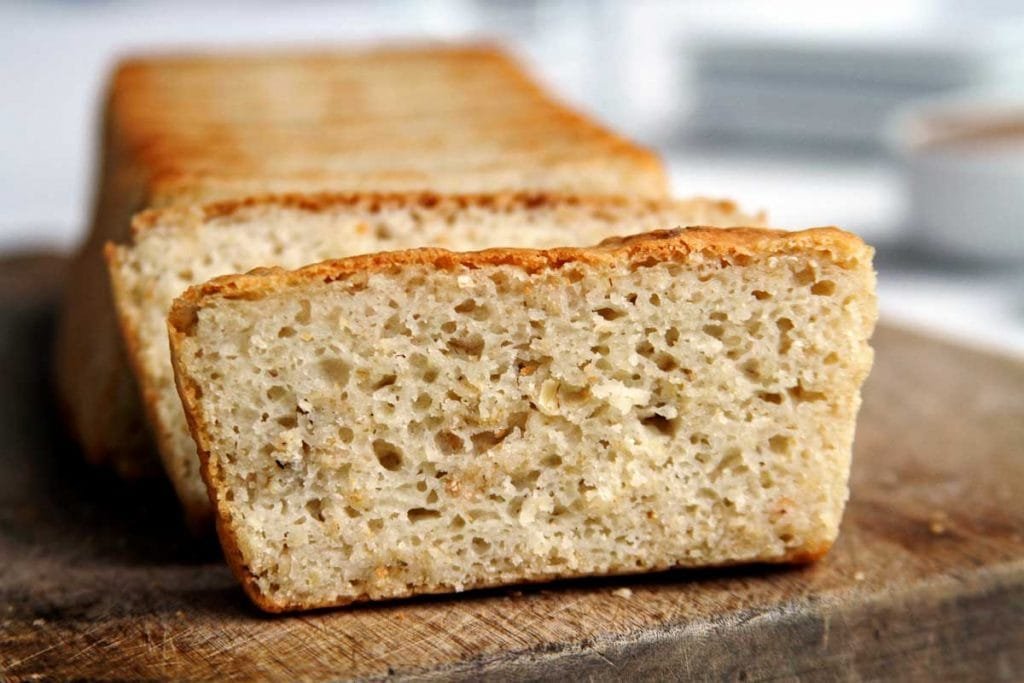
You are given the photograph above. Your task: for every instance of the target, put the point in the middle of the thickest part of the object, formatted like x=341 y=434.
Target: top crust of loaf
x=145 y=64
x=193 y=124
x=735 y=245
x=141 y=81
x=152 y=70
x=510 y=202
x=603 y=163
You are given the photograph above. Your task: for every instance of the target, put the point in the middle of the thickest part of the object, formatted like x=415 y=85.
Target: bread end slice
x=428 y=421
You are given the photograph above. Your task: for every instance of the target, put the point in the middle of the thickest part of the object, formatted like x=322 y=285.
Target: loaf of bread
x=172 y=249
x=427 y=421
x=180 y=130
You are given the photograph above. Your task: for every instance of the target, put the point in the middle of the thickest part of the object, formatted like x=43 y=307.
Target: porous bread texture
x=174 y=249
x=186 y=129
x=424 y=421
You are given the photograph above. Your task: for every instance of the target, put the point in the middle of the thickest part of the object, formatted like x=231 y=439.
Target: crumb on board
x=623 y=593
x=858 y=576
x=937 y=524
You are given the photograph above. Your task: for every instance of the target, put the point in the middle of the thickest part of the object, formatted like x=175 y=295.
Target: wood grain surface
x=98 y=579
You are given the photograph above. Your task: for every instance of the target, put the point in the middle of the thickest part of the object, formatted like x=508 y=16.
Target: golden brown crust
x=559 y=135
x=187 y=143
x=633 y=171
x=141 y=65
x=324 y=202
x=807 y=555
x=174 y=116
x=509 y=124
x=630 y=169
x=151 y=95
x=150 y=73
x=729 y=244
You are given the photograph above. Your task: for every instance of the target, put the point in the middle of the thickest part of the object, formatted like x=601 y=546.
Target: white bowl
x=964 y=166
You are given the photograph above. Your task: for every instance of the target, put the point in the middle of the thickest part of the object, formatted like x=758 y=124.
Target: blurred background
x=900 y=120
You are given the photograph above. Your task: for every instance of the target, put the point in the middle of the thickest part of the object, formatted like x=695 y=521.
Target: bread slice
x=191 y=129
x=427 y=421
x=175 y=248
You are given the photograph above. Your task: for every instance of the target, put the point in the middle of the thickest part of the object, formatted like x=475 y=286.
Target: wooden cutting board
x=98 y=579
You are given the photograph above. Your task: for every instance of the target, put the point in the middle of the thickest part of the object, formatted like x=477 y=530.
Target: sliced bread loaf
x=175 y=248
x=191 y=129
x=427 y=421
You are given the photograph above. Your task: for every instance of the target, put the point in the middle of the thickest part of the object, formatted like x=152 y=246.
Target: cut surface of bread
x=187 y=129
x=428 y=421
x=176 y=248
